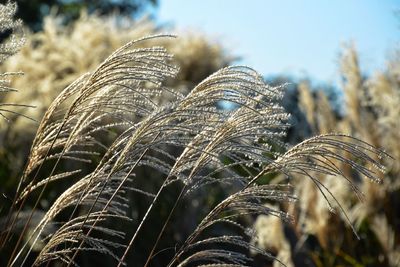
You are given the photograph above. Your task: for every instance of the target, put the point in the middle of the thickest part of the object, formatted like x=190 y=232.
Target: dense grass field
x=121 y=145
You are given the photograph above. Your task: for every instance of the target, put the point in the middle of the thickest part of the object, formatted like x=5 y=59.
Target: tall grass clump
x=369 y=112
x=56 y=56
x=104 y=139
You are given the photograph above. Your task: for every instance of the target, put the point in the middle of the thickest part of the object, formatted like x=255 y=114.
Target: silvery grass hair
x=11 y=40
x=190 y=140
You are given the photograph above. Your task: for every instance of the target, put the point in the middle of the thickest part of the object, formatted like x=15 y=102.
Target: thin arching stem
x=163 y=228
x=109 y=201
x=142 y=223
x=10 y=262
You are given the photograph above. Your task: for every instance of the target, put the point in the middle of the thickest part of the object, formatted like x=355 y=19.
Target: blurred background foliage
x=78 y=35
x=32 y=12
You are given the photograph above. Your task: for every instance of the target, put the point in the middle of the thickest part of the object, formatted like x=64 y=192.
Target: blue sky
x=300 y=38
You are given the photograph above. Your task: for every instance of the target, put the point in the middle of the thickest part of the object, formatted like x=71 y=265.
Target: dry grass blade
x=59 y=245
x=315 y=155
x=95 y=196
x=245 y=202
